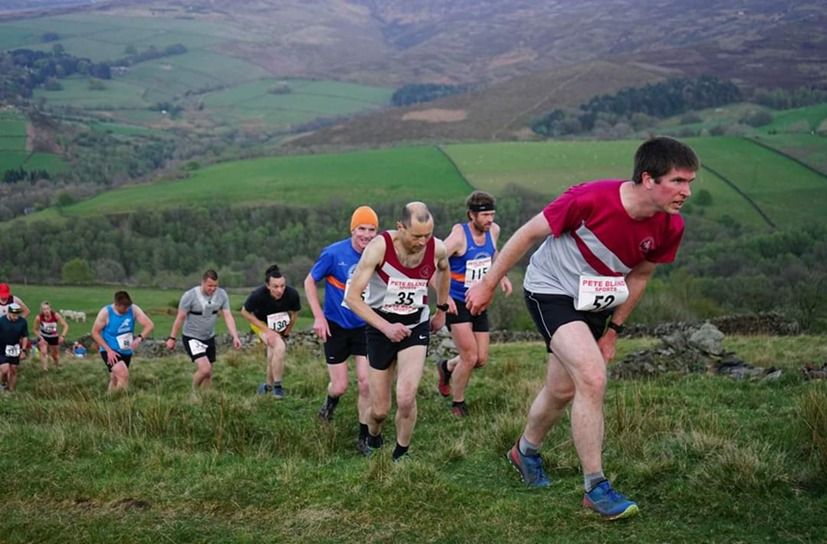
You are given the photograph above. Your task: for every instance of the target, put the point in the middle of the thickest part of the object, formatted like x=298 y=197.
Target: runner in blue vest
x=113 y=331
x=341 y=330
x=471 y=247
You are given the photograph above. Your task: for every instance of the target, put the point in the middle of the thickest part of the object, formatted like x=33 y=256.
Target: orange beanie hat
x=364 y=215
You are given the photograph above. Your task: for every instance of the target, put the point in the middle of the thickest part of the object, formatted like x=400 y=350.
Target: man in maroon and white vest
x=392 y=276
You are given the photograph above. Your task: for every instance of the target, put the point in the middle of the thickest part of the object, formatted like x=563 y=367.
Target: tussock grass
x=159 y=464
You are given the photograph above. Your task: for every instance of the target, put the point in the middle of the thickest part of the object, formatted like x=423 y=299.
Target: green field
x=13 y=153
x=799 y=120
x=350 y=178
x=233 y=90
x=160 y=304
x=549 y=167
x=306 y=101
x=708 y=459
x=788 y=193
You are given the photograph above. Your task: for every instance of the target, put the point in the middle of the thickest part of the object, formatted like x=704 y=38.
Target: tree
x=77 y=272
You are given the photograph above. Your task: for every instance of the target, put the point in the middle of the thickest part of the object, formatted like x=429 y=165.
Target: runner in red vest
x=46 y=324
x=601 y=243
x=395 y=269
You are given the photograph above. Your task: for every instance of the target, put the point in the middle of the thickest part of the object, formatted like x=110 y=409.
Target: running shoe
x=460 y=410
x=444 y=383
x=264 y=388
x=363 y=448
x=278 y=392
x=326 y=413
x=530 y=467
x=610 y=504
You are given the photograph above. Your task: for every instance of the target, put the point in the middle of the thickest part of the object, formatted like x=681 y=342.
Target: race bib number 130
x=599 y=293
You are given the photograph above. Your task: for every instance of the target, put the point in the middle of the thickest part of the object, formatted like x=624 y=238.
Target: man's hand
x=396 y=332
x=478 y=297
x=438 y=321
x=321 y=328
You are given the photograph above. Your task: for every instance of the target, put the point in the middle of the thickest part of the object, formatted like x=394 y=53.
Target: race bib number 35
x=599 y=293
x=404 y=296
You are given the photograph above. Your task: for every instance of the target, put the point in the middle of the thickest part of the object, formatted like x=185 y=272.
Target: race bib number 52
x=599 y=293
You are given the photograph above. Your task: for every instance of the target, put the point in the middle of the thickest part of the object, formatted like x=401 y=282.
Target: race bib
x=404 y=296
x=124 y=341
x=365 y=294
x=197 y=347
x=278 y=321
x=475 y=270
x=599 y=293
x=13 y=350
x=48 y=328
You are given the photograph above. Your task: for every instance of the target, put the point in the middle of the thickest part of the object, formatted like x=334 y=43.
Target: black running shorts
x=550 y=312
x=382 y=352
x=342 y=343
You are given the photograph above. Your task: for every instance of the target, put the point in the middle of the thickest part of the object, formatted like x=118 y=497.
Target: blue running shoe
x=278 y=392
x=263 y=389
x=530 y=467
x=607 y=502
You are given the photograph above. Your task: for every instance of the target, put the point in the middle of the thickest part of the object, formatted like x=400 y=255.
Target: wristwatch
x=615 y=327
x=443 y=307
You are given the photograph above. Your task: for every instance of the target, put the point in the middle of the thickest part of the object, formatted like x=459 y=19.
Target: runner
x=602 y=242
x=395 y=268
x=471 y=248
x=113 y=331
x=50 y=341
x=271 y=310
x=342 y=331
x=7 y=298
x=198 y=312
x=14 y=341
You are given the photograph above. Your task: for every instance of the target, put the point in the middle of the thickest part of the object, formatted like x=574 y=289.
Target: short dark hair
x=272 y=272
x=478 y=200
x=122 y=298
x=210 y=274
x=657 y=156
x=416 y=210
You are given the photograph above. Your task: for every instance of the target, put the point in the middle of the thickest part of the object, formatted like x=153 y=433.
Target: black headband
x=481 y=207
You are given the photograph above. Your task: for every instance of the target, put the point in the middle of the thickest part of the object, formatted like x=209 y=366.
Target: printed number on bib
x=124 y=341
x=599 y=293
x=197 y=347
x=278 y=321
x=48 y=328
x=365 y=294
x=404 y=296
x=13 y=350
x=475 y=270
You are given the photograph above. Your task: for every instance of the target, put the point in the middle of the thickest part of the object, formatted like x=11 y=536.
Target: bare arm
x=63 y=324
x=479 y=296
x=505 y=283
x=176 y=326
x=97 y=328
x=320 y=325
x=229 y=320
x=636 y=282
x=23 y=306
x=443 y=285
x=146 y=324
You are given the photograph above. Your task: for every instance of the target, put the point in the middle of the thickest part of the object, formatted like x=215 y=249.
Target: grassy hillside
x=775 y=183
x=212 y=85
x=417 y=173
x=698 y=453
x=13 y=151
